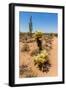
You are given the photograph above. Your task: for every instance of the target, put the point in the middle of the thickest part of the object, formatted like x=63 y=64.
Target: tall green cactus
x=30 y=26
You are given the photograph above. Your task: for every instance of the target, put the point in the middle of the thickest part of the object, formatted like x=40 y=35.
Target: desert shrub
x=48 y=43
x=23 y=68
x=56 y=35
x=48 y=46
x=30 y=40
x=25 y=47
x=31 y=73
x=26 y=71
x=34 y=52
x=51 y=36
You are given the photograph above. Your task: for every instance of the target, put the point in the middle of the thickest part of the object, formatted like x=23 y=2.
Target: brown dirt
x=26 y=59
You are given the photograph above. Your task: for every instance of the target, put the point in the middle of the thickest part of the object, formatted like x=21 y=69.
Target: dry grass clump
x=48 y=42
x=30 y=40
x=26 y=71
x=31 y=73
x=25 y=47
x=34 y=52
x=23 y=69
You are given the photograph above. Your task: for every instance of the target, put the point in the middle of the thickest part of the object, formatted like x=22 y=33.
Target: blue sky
x=45 y=22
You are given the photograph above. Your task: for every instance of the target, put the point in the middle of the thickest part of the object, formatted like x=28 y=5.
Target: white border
x=38 y=79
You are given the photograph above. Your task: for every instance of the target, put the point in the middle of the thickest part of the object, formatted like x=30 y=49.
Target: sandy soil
x=26 y=59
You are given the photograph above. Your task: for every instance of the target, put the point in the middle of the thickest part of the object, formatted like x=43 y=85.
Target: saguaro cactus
x=30 y=26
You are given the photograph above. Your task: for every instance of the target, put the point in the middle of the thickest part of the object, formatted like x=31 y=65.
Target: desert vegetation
x=36 y=54
x=38 y=48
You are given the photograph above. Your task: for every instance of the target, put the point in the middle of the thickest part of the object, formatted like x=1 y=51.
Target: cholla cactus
x=41 y=60
x=41 y=57
x=38 y=36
